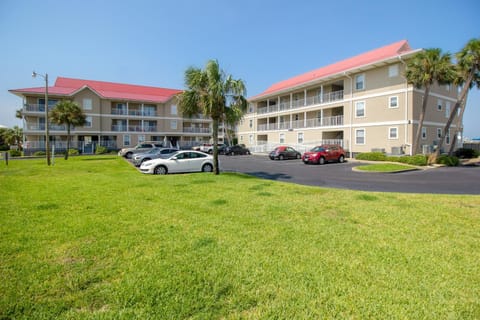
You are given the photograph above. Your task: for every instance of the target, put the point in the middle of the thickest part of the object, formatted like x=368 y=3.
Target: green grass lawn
x=91 y=238
x=385 y=167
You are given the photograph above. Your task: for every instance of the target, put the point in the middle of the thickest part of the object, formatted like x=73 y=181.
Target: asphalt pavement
x=442 y=180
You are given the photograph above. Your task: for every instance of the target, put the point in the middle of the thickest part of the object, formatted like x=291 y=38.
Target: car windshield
x=318 y=149
x=153 y=150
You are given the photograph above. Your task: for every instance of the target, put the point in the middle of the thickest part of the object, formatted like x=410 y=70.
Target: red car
x=324 y=153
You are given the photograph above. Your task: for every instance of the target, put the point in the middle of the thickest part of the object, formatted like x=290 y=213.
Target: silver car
x=153 y=153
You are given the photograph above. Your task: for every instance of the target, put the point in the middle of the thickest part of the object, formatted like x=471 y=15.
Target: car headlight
x=147 y=164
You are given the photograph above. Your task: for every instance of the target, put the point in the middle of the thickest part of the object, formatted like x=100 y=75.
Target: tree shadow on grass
x=270 y=176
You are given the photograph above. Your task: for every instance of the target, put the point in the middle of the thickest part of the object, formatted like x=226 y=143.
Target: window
x=439 y=105
x=393 y=71
x=360 y=109
x=241 y=138
x=250 y=138
x=250 y=107
x=439 y=133
x=360 y=82
x=447 y=109
x=126 y=140
x=149 y=110
x=87 y=104
x=250 y=124
x=359 y=136
x=173 y=124
x=424 y=133
x=393 y=133
x=300 y=137
x=173 y=109
x=447 y=137
x=141 y=138
x=447 y=87
x=282 y=138
x=393 y=102
x=88 y=122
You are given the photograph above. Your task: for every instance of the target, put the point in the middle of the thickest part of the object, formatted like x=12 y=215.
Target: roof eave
x=336 y=75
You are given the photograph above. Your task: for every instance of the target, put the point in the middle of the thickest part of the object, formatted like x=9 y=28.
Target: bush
x=73 y=152
x=466 y=153
x=393 y=158
x=39 y=153
x=448 y=160
x=371 y=156
x=15 y=153
x=416 y=160
x=4 y=147
x=101 y=150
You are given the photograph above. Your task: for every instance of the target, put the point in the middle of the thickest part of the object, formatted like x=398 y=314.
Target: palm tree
x=468 y=66
x=216 y=95
x=422 y=71
x=70 y=114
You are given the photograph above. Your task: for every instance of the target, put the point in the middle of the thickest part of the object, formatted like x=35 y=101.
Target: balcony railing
x=139 y=113
x=197 y=130
x=124 y=128
x=41 y=127
x=299 y=124
x=35 y=108
x=310 y=101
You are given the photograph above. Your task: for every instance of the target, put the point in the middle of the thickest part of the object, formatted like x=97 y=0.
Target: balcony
x=41 y=127
x=137 y=113
x=197 y=130
x=310 y=101
x=300 y=124
x=35 y=108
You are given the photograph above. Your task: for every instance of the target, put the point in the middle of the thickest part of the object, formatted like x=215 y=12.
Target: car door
x=332 y=153
x=290 y=153
x=180 y=163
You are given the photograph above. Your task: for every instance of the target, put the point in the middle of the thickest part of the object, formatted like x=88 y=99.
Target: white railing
x=54 y=127
x=300 y=124
x=196 y=130
x=36 y=107
x=310 y=101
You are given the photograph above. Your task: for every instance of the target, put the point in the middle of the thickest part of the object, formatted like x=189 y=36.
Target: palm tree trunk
x=416 y=142
x=458 y=126
x=216 y=169
x=68 y=141
x=461 y=99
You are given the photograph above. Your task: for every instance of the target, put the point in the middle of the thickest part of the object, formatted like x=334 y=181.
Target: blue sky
x=262 y=42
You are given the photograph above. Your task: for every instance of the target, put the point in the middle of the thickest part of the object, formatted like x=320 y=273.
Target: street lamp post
x=47 y=136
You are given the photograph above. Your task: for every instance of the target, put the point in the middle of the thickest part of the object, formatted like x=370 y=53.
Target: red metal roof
x=107 y=90
x=389 y=51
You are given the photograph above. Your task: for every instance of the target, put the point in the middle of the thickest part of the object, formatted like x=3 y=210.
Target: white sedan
x=181 y=161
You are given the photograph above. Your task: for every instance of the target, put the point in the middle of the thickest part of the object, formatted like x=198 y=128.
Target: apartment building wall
x=391 y=109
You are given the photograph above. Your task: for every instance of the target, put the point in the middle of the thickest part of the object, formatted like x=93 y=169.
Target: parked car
x=139 y=148
x=284 y=152
x=153 y=153
x=324 y=153
x=236 y=150
x=181 y=161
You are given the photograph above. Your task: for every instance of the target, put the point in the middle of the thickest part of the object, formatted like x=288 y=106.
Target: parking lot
x=446 y=180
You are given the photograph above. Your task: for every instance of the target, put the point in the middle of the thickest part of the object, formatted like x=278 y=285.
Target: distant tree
x=13 y=137
x=214 y=94
x=68 y=113
x=423 y=70
x=468 y=67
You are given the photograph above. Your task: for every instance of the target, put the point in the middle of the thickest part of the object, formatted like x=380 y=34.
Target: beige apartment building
x=118 y=115
x=363 y=103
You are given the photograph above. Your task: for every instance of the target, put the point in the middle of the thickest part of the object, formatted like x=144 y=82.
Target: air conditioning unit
x=427 y=149
x=396 y=151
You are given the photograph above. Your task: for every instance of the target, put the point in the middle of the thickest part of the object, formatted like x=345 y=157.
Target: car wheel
x=207 y=167
x=341 y=159
x=298 y=156
x=248 y=153
x=128 y=155
x=232 y=153
x=281 y=157
x=321 y=160
x=160 y=170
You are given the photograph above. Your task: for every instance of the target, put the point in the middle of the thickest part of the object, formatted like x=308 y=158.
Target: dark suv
x=284 y=152
x=324 y=153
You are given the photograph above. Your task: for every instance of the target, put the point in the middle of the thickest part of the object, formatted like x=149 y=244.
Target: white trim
x=364 y=109
x=390 y=133
x=364 y=136
x=390 y=102
x=363 y=82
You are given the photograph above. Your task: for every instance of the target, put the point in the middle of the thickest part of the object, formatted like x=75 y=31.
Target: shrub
x=416 y=160
x=39 y=153
x=73 y=152
x=15 y=153
x=450 y=161
x=466 y=153
x=101 y=150
x=4 y=147
x=371 y=156
x=393 y=158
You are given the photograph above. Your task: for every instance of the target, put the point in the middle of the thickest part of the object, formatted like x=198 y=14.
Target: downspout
x=406 y=111
x=351 y=112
